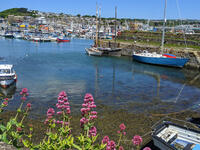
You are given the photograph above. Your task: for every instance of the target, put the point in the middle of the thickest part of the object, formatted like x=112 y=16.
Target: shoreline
x=129 y=48
x=108 y=124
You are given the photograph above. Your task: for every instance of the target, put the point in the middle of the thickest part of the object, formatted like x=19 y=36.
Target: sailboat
x=112 y=51
x=93 y=50
x=161 y=59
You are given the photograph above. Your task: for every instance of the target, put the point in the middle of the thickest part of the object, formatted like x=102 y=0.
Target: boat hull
x=172 y=62
x=92 y=52
x=6 y=83
x=62 y=40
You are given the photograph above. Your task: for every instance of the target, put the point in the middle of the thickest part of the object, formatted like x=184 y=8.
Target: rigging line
x=179 y=13
x=180 y=92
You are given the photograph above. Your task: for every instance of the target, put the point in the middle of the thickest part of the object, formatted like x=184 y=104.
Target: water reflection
x=160 y=73
x=8 y=92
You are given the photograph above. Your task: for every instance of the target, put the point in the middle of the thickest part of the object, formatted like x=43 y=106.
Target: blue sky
x=144 y=9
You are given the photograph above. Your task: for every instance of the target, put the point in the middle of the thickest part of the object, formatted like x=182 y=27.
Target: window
x=3 y=71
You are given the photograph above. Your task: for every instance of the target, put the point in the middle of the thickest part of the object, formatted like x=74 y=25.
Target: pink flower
x=105 y=140
x=66 y=103
x=23 y=98
x=24 y=92
x=19 y=129
x=84 y=105
x=92 y=131
x=5 y=103
x=62 y=93
x=124 y=133
x=122 y=127
x=6 y=99
x=65 y=99
x=46 y=121
x=121 y=148
x=59 y=112
x=28 y=105
x=59 y=106
x=50 y=113
x=147 y=148
x=60 y=102
x=93 y=117
x=94 y=113
x=68 y=111
x=137 y=140
x=111 y=145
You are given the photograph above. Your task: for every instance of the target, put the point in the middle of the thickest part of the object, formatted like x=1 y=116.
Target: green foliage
x=17 y=12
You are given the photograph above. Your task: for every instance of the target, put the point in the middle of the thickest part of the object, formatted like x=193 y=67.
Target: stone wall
x=170 y=38
x=129 y=48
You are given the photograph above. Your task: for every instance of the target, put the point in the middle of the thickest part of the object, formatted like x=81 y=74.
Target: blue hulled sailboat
x=161 y=59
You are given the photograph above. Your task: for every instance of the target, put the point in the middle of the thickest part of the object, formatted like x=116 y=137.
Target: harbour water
x=119 y=82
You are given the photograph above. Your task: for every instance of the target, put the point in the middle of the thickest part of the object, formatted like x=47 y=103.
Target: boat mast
x=96 y=44
x=115 y=24
x=163 y=32
x=99 y=21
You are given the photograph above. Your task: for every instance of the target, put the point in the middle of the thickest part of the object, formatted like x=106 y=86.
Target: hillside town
x=48 y=26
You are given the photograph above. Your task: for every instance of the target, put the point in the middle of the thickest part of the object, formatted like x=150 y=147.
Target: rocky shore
x=129 y=48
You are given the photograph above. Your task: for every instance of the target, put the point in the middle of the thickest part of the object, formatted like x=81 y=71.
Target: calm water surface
x=48 y=68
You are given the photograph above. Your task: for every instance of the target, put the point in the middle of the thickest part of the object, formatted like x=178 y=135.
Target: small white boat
x=17 y=36
x=36 y=39
x=53 y=39
x=93 y=51
x=170 y=136
x=7 y=75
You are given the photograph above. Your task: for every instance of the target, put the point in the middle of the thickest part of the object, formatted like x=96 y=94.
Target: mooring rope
x=179 y=93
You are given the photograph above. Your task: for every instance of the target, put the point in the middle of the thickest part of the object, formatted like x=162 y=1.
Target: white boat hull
x=6 y=83
x=92 y=52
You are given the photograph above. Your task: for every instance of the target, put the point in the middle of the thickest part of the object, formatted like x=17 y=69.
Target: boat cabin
x=6 y=70
x=170 y=136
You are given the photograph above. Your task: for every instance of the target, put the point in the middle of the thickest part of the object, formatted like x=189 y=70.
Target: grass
x=157 y=44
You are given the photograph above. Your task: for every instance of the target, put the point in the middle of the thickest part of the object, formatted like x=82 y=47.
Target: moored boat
x=107 y=51
x=36 y=39
x=9 y=35
x=170 y=136
x=17 y=36
x=7 y=75
x=161 y=59
x=93 y=51
x=62 y=40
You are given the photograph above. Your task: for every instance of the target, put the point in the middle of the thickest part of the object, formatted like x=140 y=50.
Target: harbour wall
x=129 y=48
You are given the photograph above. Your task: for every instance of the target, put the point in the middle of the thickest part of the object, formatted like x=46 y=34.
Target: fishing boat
x=160 y=59
x=171 y=136
x=93 y=51
x=112 y=51
x=62 y=40
x=7 y=75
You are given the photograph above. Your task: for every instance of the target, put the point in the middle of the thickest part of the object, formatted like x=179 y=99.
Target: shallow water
x=48 y=68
